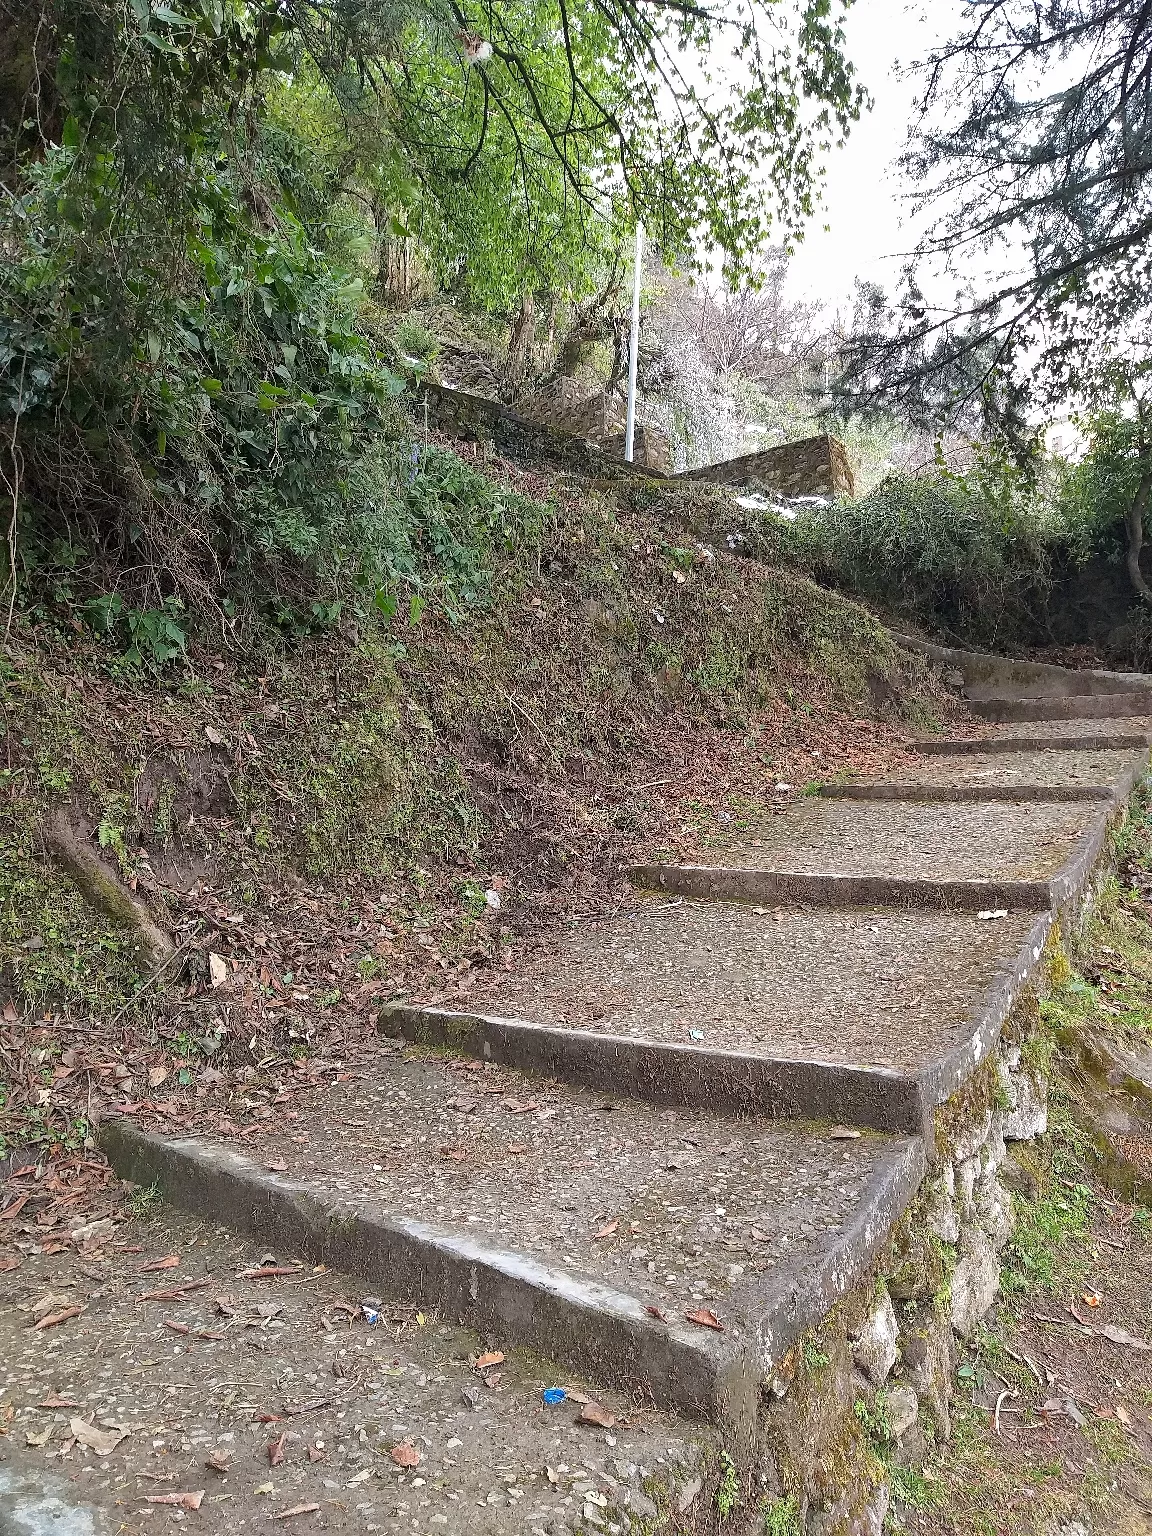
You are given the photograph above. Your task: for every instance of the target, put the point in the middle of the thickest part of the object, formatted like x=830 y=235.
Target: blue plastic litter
x=370 y=1315
x=554 y=1395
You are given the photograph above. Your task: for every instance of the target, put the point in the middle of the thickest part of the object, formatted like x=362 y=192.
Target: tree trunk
x=1134 y=525
x=520 y=342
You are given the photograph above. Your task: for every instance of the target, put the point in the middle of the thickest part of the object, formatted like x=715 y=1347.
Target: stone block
x=874 y=1346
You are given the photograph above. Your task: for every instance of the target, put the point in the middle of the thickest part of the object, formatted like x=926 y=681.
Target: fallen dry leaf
x=102 y=1441
x=297 y=1509
x=59 y=1402
x=57 y=1317
x=8 y=1262
x=705 y=1319
x=184 y=1500
x=176 y=1327
x=496 y=1357
x=51 y=1301
x=276 y=1450
x=577 y=1396
x=172 y=1261
x=277 y=1165
x=1123 y=1416
x=606 y=1230
x=218 y=970
x=1122 y=1336
x=405 y=1454
x=657 y=1312
x=592 y=1413
x=219 y=1461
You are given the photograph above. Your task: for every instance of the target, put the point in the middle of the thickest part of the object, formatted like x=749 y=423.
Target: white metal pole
x=633 y=344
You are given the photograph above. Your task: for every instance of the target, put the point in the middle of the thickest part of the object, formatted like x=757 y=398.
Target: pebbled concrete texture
x=592 y=1243
x=865 y=987
x=902 y=839
x=1110 y=706
x=38 y=1503
x=1049 y=735
x=1070 y=773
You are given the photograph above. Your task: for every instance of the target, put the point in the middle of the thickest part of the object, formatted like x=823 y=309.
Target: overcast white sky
x=863 y=204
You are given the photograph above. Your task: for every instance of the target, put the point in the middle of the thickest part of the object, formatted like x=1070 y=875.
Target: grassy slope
x=1082 y=1248
x=327 y=819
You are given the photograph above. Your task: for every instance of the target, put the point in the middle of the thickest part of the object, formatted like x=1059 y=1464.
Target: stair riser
x=1103 y=743
x=717 y=1082
x=771 y=886
x=931 y=794
x=1119 y=706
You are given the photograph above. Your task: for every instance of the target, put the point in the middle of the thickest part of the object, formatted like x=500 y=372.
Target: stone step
x=1025 y=679
x=1065 y=774
x=869 y=1017
x=1056 y=735
x=580 y=1225
x=830 y=852
x=1107 y=706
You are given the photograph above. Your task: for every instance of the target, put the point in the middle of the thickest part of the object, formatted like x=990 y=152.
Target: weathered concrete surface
x=1056 y=736
x=1068 y=774
x=710 y=882
x=668 y=1073
x=1025 y=679
x=524 y=1257
x=1102 y=706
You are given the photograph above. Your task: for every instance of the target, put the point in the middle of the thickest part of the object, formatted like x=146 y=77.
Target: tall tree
x=1032 y=156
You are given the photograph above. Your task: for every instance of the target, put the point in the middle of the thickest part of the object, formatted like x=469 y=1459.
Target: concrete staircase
x=667 y=1148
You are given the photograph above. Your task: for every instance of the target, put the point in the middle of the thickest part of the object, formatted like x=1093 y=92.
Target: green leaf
x=154 y=345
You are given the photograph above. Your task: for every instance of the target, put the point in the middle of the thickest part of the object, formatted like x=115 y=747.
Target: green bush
x=975 y=556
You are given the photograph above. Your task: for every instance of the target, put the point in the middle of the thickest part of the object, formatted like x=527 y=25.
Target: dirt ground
x=1053 y=1419
x=188 y=1366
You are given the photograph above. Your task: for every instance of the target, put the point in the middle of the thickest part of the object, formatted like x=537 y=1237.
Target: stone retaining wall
x=814 y=466
x=870 y=1387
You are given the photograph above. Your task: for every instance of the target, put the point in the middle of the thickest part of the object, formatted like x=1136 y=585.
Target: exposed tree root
x=102 y=888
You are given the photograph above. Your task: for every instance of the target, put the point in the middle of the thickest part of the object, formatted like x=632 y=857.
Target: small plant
x=814 y=1357
x=782 y=1517
x=415 y=341
x=142 y=1202
x=873 y=1419
x=728 y=1490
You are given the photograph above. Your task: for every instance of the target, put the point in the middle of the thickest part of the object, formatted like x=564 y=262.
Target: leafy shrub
x=974 y=555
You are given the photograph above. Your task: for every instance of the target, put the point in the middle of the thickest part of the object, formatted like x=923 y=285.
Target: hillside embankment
x=214 y=874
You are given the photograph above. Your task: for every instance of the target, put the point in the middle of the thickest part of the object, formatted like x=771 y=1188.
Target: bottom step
x=584 y=1227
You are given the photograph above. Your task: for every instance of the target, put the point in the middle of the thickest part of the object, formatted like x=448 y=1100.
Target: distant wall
x=814 y=466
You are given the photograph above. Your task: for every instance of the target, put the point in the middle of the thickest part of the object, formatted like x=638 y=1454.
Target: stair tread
x=429 y=1140
x=1043 y=768
x=880 y=987
x=907 y=839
